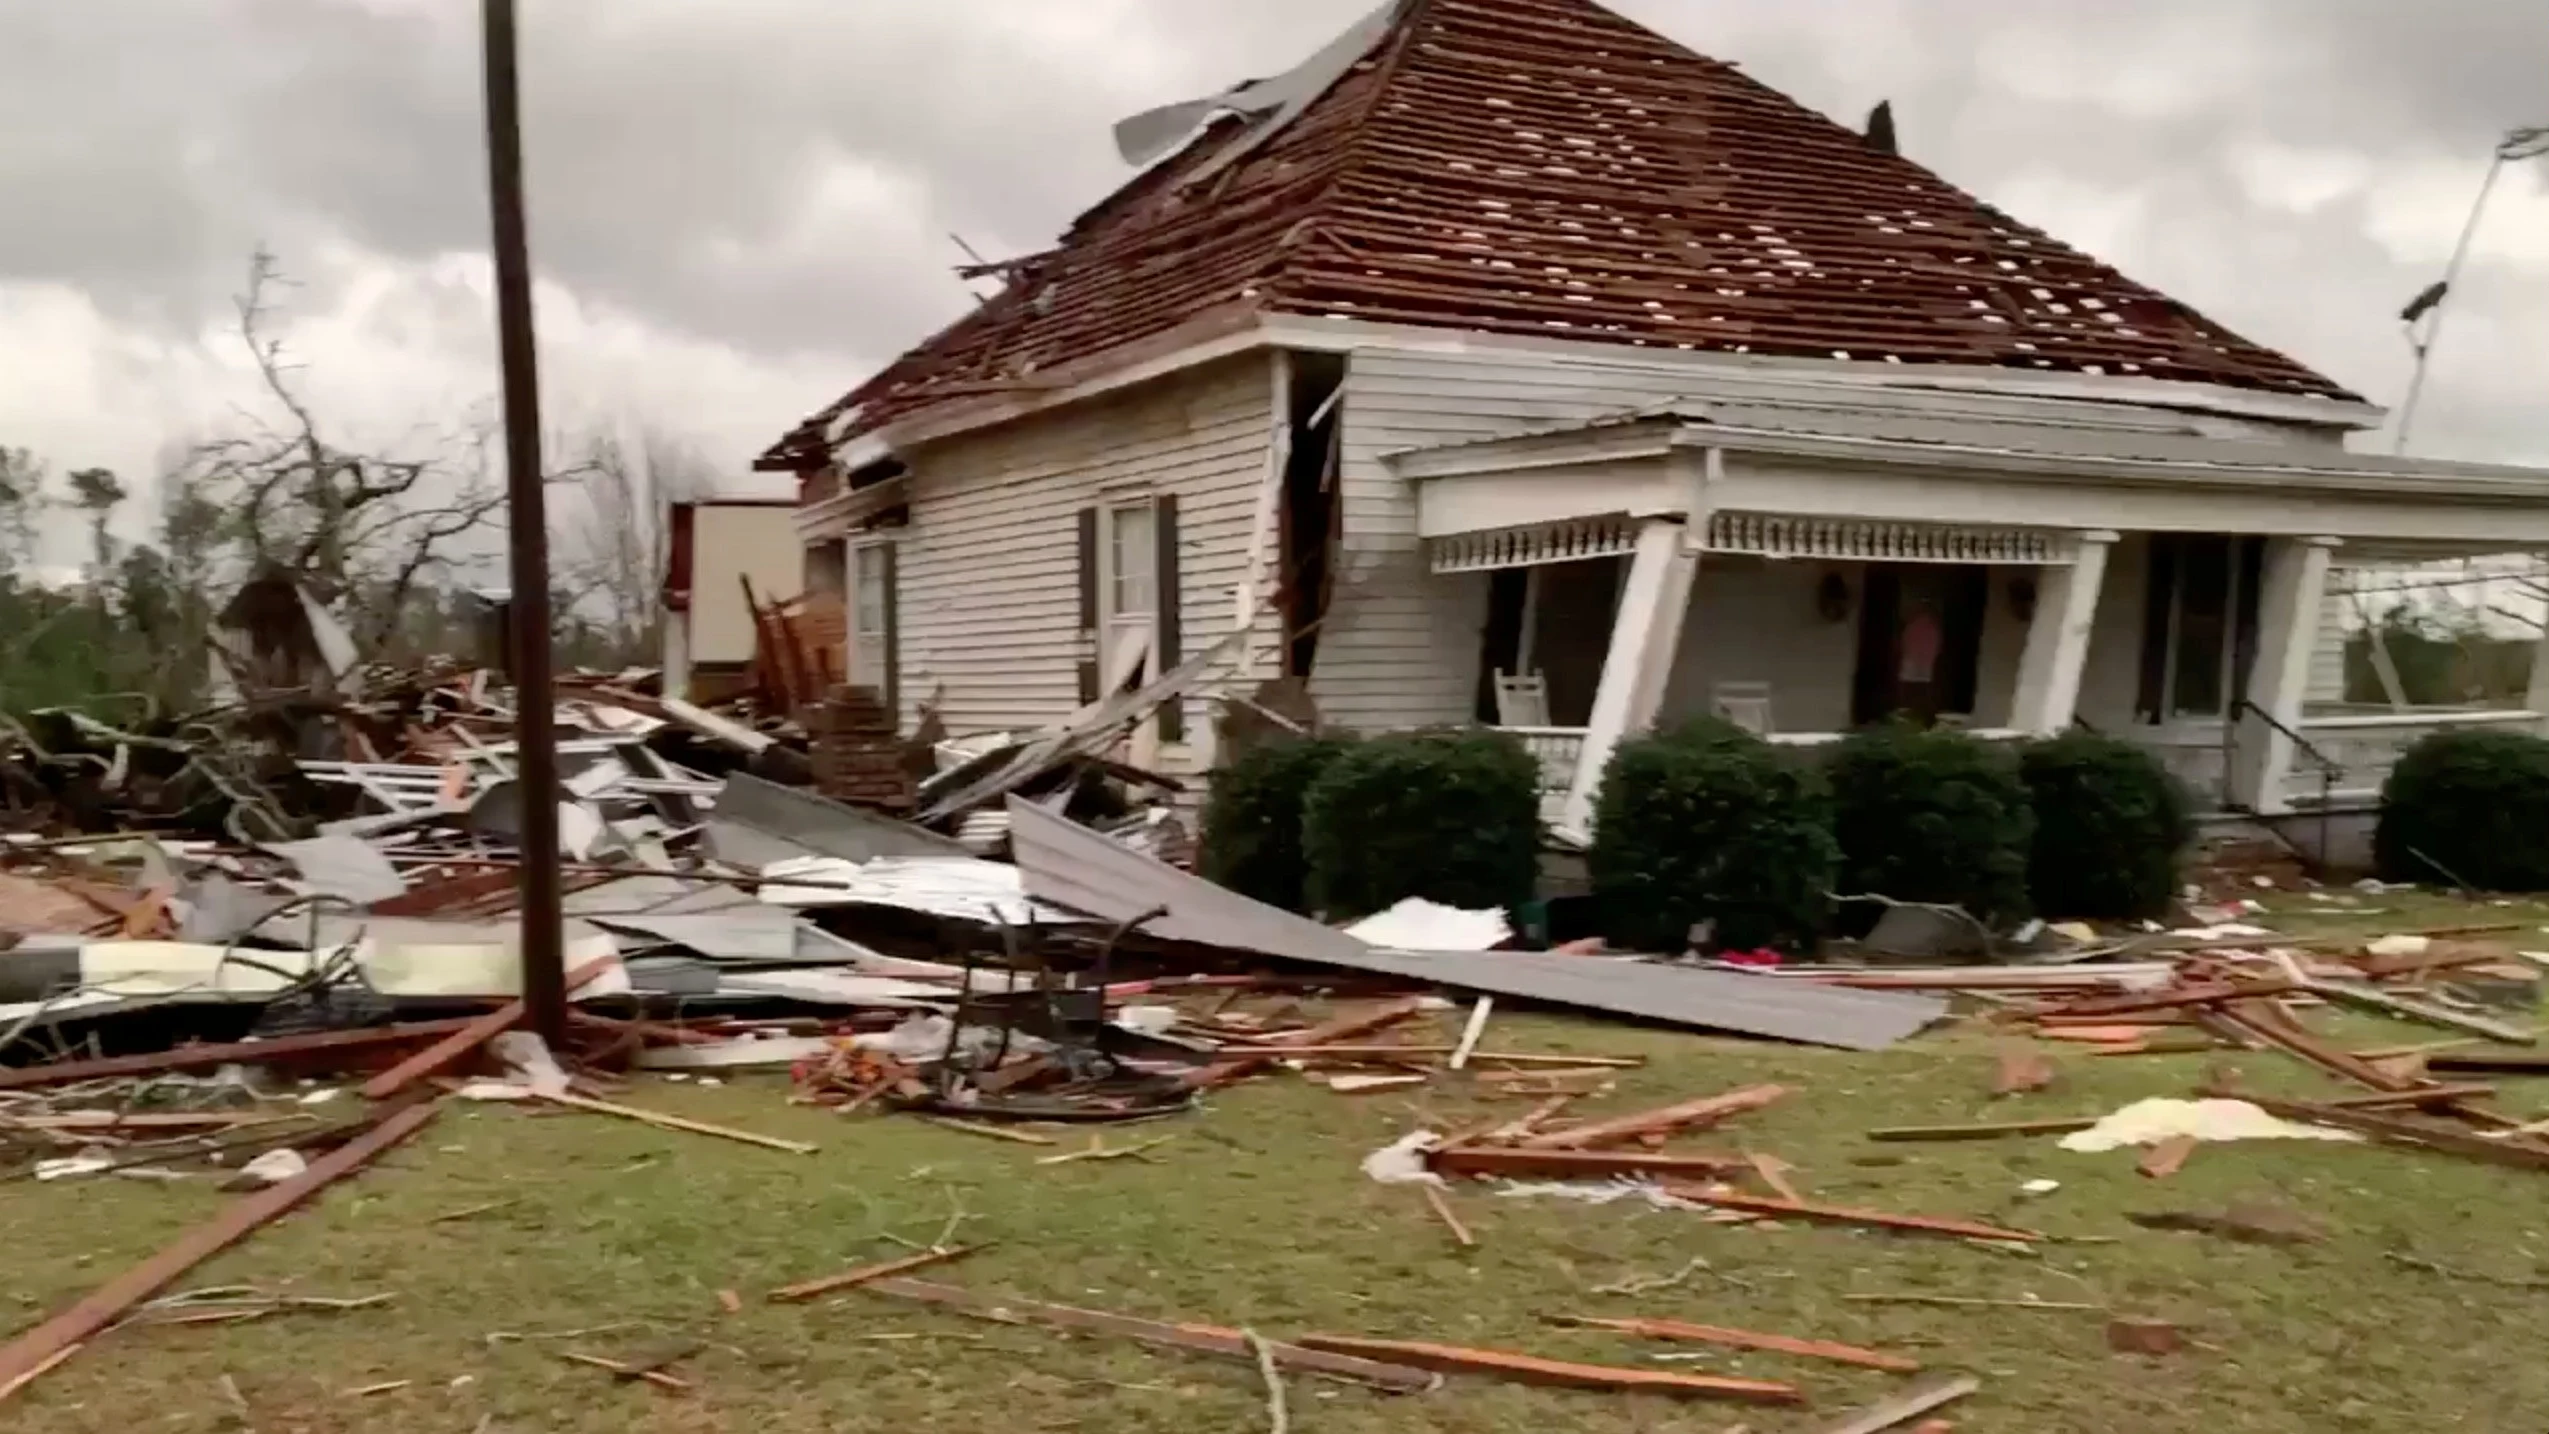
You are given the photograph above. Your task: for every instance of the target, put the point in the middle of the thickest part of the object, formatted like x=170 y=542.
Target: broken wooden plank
x=1774 y=1172
x=1342 y=1029
x=213 y=1057
x=2426 y=1095
x=670 y=1384
x=1483 y=1160
x=868 y=1275
x=1470 y=1034
x=1669 y=1119
x=675 y=1122
x=1905 y=1407
x=1683 y=1332
x=2211 y=993
x=1993 y=1130
x=44 y=1345
x=2168 y=1157
x=442 y=1055
x=1442 y=1207
x=1530 y=1369
x=1851 y=1215
x=1193 y=1338
x=2392 y=1130
x=1972 y=1302
x=2261 y=1022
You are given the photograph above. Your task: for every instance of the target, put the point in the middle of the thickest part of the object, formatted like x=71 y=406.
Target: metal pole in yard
x=543 y=924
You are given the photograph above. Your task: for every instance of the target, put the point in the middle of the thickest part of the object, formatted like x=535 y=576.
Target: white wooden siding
x=990 y=620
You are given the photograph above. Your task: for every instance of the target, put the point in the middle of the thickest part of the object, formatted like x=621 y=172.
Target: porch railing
x=1557 y=750
x=2364 y=747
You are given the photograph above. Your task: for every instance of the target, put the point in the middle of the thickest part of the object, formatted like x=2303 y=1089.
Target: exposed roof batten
x=1547 y=167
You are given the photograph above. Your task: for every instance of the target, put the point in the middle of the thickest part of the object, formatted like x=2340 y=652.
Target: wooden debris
x=2464 y=1063
x=2061 y=1125
x=213 y=1057
x=1531 y=1120
x=2168 y=1157
x=1485 y=1160
x=39 y=1349
x=675 y=1122
x=2423 y=1095
x=869 y=1274
x=2426 y=1013
x=1974 y=1302
x=2396 y=1130
x=1848 y=1215
x=386 y=1386
x=2209 y=994
x=1275 y=1050
x=1673 y=1329
x=1774 y=1173
x=1278 y=1414
x=2266 y=1024
x=1370 y=1084
x=1442 y=1207
x=1530 y=1369
x=670 y=1384
x=1194 y=1338
x=1476 y=1028
x=1233 y=1067
x=1672 y=1118
x=2128 y=1335
x=1907 y=1406
x=1100 y=1150
x=2022 y=1071
x=460 y=1045
x=2101 y=1035
x=988 y=1131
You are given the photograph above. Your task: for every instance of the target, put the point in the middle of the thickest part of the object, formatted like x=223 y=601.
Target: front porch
x=1649 y=592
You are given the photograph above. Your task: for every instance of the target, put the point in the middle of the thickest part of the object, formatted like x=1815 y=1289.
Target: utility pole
x=527 y=521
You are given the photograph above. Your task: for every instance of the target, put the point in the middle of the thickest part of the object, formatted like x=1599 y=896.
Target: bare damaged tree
x=616 y=539
x=362 y=531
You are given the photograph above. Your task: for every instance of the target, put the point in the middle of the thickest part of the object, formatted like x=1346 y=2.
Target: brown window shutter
x=891 y=554
x=1171 y=633
x=1088 y=606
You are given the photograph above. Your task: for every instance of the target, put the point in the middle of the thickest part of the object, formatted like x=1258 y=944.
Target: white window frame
x=1128 y=634
x=871 y=653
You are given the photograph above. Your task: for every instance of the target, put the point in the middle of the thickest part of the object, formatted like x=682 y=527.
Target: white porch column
x=2058 y=639
x=1647 y=633
x=2288 y=616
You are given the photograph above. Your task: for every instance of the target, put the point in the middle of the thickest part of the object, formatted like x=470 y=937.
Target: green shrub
x=1453 y=817
x=1710 y=823
x=2468 y=806
x=1932 y=816
x=2111 y=824
x=1252 y=819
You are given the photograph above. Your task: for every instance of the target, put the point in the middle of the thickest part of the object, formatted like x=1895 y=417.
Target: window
x=2200 y=625
x=1130 y=585
x=873 y=660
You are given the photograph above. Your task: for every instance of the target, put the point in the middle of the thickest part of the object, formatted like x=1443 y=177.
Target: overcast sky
x=739 y=207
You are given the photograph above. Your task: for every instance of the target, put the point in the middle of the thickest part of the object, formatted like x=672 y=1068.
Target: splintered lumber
x=868 y=1275
x=2168 y=1157
x=2254 y=1021
x=1488 y=1160
x=675 y=1122
x=2208 y=994
x=1905 y=1407
x=1677 y=1330
x=1851 y=1215
x=1442 y=1207
x=442 y=1055
x=1671 y=1118
x=213 y=1057
x=1530 y=1369
x=2394 y=1130
x=39 y=1348
x=1336 y=1032
x=2063 y=1125
x=668 y=1383
x=1396 y=1378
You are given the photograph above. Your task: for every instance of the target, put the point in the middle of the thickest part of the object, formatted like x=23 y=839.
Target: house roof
x=1548 y=167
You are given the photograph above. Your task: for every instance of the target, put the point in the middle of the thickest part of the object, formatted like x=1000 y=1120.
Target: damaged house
x=1509 y=362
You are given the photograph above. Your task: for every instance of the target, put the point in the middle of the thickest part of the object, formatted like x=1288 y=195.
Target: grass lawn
x=1256 y=1214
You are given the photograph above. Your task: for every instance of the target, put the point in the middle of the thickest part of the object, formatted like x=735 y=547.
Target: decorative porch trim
x=1775 y=535
x=1610 y=536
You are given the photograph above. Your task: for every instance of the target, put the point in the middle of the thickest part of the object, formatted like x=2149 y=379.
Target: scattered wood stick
x=849 y=1280
x=1234 y=1066
x=2393 y=1130
x=1774 y=1173
x=1278 y=1417
x=993 y=1132
x=1193 y=1338
x=1532 y=1119
x=1443 y=1211
x=1530 y=1369
x=1469 y=1035
x=1703 y=1112
x=472 y=1211
x=676 y=1122
x=2168 y=1157
x=1974 y=1302
x=671 y=1384
x=387 y=1386
x=1673 y=1329
x=1907 y=1406
x=2062 y=1125
x=1485 y=1160
x=1847 y=1215
x=1100 y=1150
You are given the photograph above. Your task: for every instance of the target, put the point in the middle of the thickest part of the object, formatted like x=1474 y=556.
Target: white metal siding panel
x=990 y=563
x=732 y=543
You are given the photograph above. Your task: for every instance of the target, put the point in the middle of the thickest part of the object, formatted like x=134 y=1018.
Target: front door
x=1920 y=641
